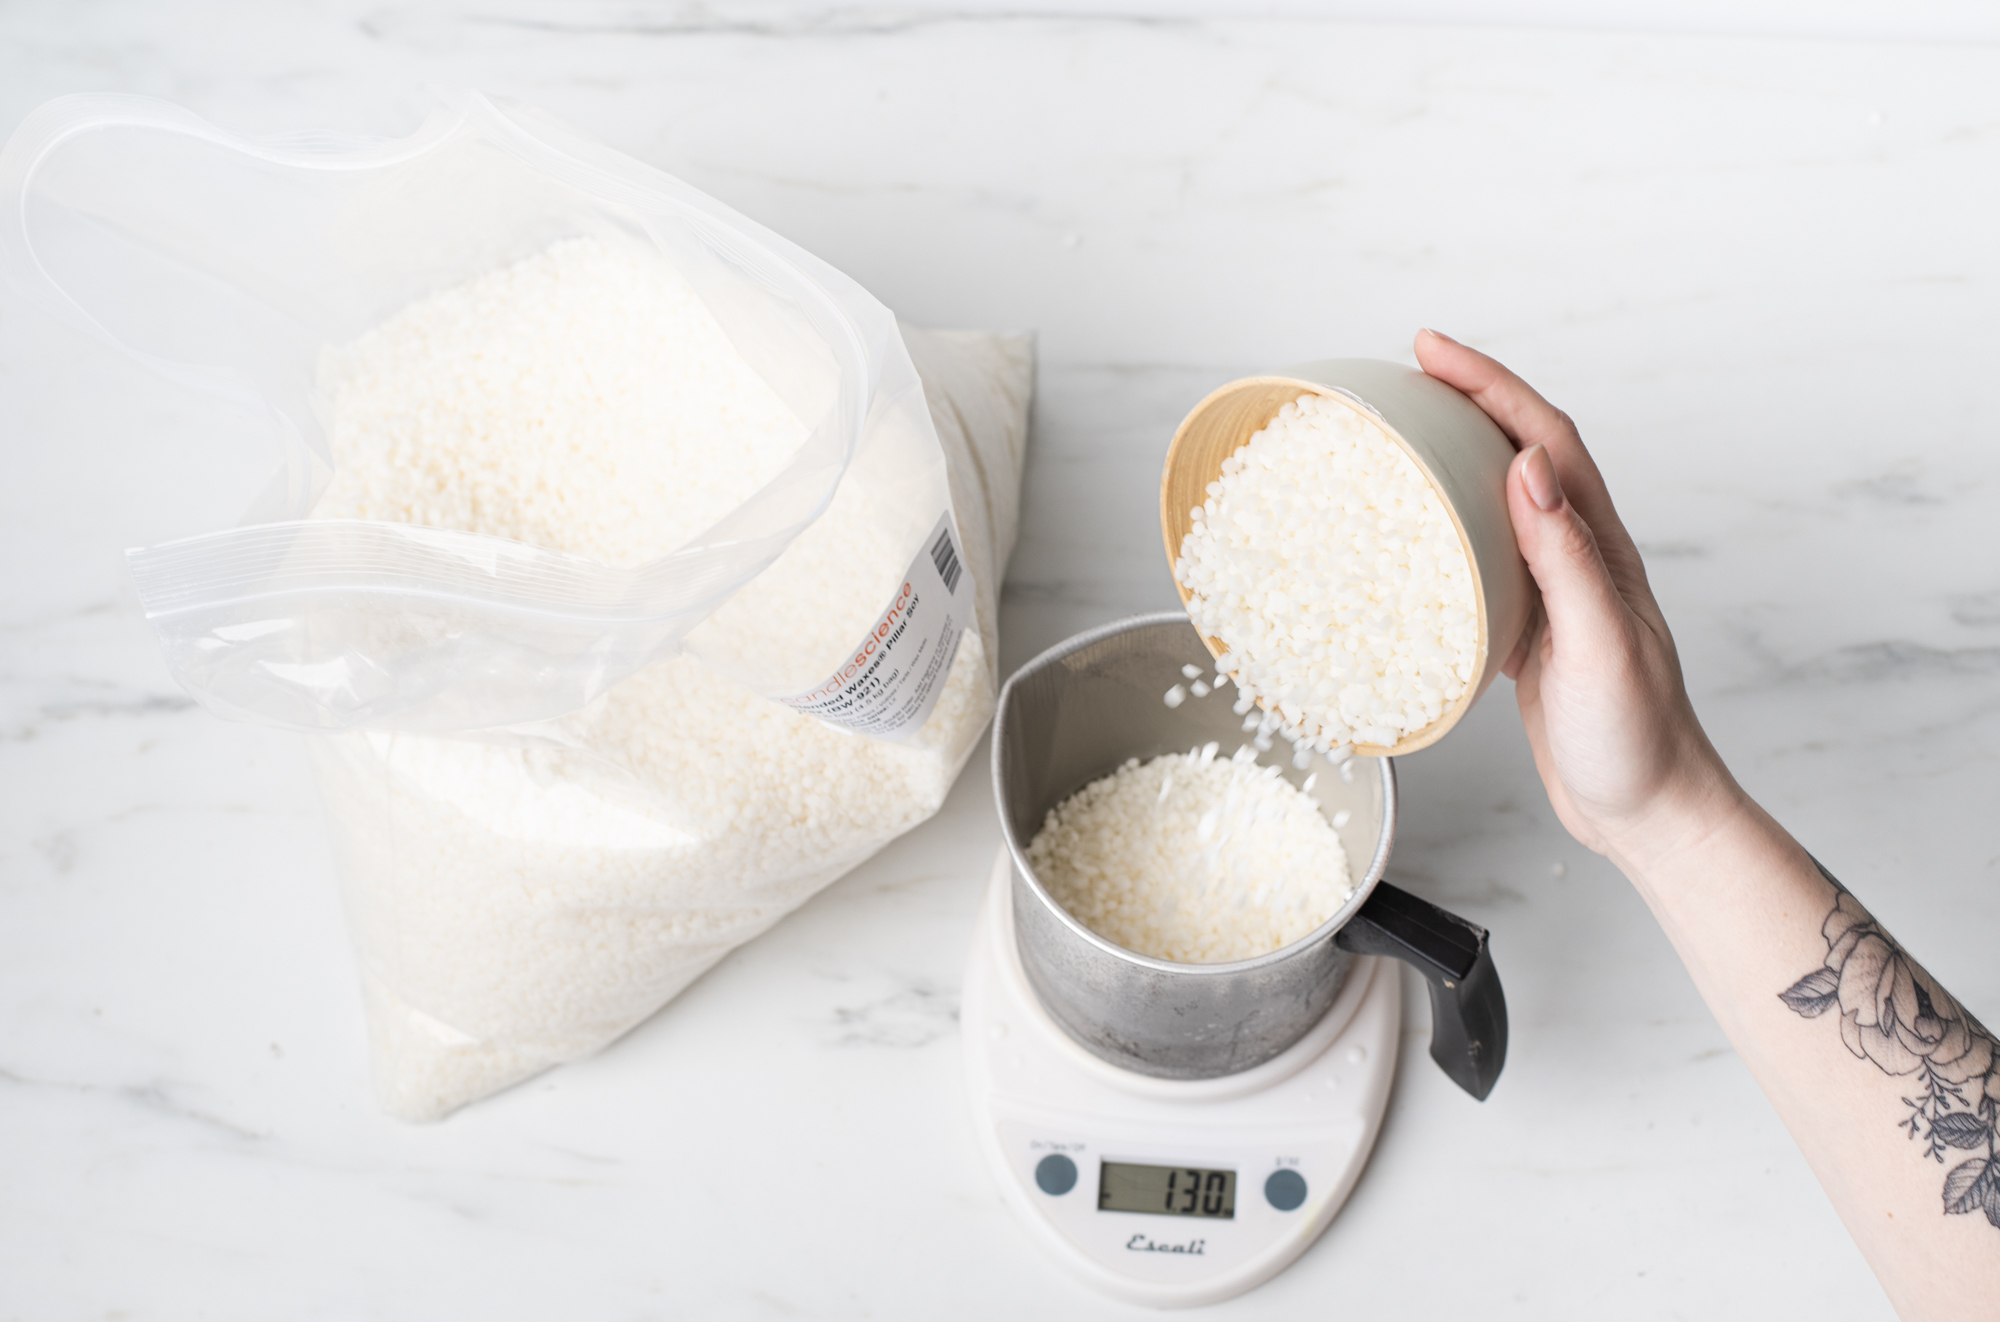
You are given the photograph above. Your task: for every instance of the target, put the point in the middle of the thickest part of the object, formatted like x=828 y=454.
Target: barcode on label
x=889 y=684
x=945 y=556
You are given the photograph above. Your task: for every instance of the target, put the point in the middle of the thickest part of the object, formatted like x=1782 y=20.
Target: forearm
x=1887 y=1085
x=1884 y=1082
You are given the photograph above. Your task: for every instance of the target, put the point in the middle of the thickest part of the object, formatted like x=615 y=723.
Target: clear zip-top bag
x=632 y=571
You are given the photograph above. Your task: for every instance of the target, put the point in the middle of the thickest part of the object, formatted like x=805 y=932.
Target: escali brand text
x=1141 y=1244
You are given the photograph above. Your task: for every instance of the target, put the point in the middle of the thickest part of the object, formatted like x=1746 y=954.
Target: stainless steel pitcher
x=1078 y=712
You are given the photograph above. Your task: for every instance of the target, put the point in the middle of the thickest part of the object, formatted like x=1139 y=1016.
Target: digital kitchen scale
x=1162 y=1191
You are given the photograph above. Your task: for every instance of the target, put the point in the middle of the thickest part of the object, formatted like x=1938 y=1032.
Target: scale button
x=1285 y=1190
x=1055 y=1175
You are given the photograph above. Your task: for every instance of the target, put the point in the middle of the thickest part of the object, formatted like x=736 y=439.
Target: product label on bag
x=891 y=680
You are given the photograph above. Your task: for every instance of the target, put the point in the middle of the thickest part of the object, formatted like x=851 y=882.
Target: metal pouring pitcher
x=1078 y=712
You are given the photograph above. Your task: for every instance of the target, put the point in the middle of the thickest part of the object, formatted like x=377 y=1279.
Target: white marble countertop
x=1759 y=271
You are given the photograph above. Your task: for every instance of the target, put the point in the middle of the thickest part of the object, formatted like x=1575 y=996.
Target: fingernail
x=1439 y=335
x=1538 y=474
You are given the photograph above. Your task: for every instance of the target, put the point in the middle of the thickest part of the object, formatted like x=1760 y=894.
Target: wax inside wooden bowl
x=1225 y=421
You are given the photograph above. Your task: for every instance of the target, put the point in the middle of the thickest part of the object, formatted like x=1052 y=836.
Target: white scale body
x=1050 y=1114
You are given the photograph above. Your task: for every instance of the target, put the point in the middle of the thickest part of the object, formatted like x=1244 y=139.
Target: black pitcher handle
x=1468 y=1011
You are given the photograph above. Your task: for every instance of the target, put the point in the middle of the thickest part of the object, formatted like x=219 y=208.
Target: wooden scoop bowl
x=1454 y=444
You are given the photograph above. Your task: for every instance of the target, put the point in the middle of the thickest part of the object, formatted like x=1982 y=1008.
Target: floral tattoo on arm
x=1894 y=1013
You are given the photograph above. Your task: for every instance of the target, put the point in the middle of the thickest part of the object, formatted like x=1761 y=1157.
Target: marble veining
x=912 y=1015
x=1759 y=273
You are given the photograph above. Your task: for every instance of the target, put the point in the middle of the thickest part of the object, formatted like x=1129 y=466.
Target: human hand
x=1625 y=762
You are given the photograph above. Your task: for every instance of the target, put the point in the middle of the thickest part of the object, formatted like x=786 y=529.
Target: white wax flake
x=1174 y=696
x=1199 y=689
x=1332 y=574
x=1191 y=672
x=1193 y=858
x=1311 y=781
x=1342 y=818
x=1302 y=758
x=1347 y=772
x=585 y=400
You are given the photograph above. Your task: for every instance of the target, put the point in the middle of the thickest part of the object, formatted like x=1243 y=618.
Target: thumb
x=1578 y=596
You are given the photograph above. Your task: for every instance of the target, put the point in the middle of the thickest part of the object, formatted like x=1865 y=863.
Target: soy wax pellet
x=1335 y=579
x=1194 y=857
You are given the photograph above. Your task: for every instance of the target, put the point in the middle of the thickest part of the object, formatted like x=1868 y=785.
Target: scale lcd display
x=1169 y=1190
